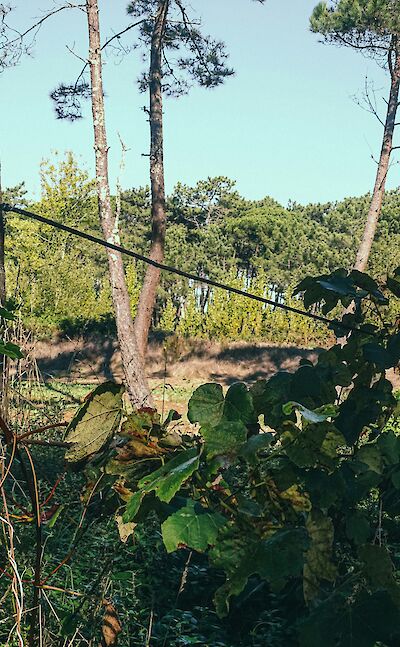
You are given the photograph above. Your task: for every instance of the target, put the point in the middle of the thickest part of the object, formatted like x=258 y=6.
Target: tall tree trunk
x=132 y=361
x=383 y=165
x=3 y=358
x=151 y=281
x=2 y=252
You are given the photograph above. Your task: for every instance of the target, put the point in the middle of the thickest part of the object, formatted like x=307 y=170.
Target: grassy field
x=58 y=400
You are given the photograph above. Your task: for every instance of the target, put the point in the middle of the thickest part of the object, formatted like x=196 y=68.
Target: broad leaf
x=95 y=422
x=358 y=528
x=225 y=439
x=239 y=404
x=164 y=482
x=274 y=559
x=379 y=570
x=209 y=407
x=206 y=405
x=191 y=526
x=249 y=451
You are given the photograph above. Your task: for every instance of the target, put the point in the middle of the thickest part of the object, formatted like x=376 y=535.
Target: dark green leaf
x=10 y=350
x=206 y=405
x=358 y=528
x=191 y=526
x=225 y=439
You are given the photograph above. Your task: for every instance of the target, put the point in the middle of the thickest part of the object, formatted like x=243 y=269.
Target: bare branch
x=36 y=26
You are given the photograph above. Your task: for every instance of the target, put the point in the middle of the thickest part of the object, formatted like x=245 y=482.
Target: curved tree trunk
x=132 y=361
x=383 y=167
x=151 y=281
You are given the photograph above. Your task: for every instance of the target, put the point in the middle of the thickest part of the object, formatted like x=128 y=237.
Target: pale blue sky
x=286 y=125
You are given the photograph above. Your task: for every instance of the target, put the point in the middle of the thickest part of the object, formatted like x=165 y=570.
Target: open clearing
x=174 y=368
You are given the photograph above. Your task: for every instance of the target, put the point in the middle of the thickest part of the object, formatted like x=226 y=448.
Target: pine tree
x=371 y=27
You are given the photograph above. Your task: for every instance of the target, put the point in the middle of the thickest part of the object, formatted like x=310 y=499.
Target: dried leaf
x=125 y=529
x=111 y=626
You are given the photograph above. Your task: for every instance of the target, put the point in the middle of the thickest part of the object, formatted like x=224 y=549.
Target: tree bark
x=375 y=208
x=151 y=281
x=2 y=252
x=132 y=359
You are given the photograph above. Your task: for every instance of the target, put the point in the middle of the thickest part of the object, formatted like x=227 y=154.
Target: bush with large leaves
x=293 y=482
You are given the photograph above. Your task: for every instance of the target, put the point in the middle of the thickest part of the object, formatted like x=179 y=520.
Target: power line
x=175 y=270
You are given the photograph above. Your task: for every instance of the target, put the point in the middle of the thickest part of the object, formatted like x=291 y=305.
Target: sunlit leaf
x=191 y=526
x=95 y=422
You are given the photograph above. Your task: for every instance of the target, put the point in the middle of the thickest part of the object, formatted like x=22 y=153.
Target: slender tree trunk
x=3 y=358
x=383 y=167
x=132 y=361
x=2 y=253
x=151 y=281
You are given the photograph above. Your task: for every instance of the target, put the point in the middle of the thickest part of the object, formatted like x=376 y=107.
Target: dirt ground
x=180 y=365
x=175 y=368
x=89 y=360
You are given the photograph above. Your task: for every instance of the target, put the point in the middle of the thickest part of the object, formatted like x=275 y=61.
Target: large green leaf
x=315 y=444
x=270 y=396
x=206 y=405
x=258 y=442
x=191 y=526
x=239 y=404
x=370 y=454
x=95 y=422
x=358 y=528
x=225 y=439
x=164 y=482
x=209 y=407
x=379 y=570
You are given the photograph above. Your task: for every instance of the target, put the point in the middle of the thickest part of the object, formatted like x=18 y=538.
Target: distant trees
x=63 y=284
x=371 y=27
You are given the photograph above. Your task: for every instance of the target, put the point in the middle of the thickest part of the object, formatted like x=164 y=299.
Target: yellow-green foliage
x=168 y=317
x=229 y=316
x=58 y=277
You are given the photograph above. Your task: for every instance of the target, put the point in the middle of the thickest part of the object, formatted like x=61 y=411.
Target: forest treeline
x=60 y=283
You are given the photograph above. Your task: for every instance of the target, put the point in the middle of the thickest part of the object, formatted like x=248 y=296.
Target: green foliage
x=359 y=23
x=287 y=483
x=282 y=504
x=191 y=526
x=7 y=348
x=259 y=246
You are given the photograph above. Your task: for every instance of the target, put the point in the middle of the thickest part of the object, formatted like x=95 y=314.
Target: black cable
x=178 y=272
